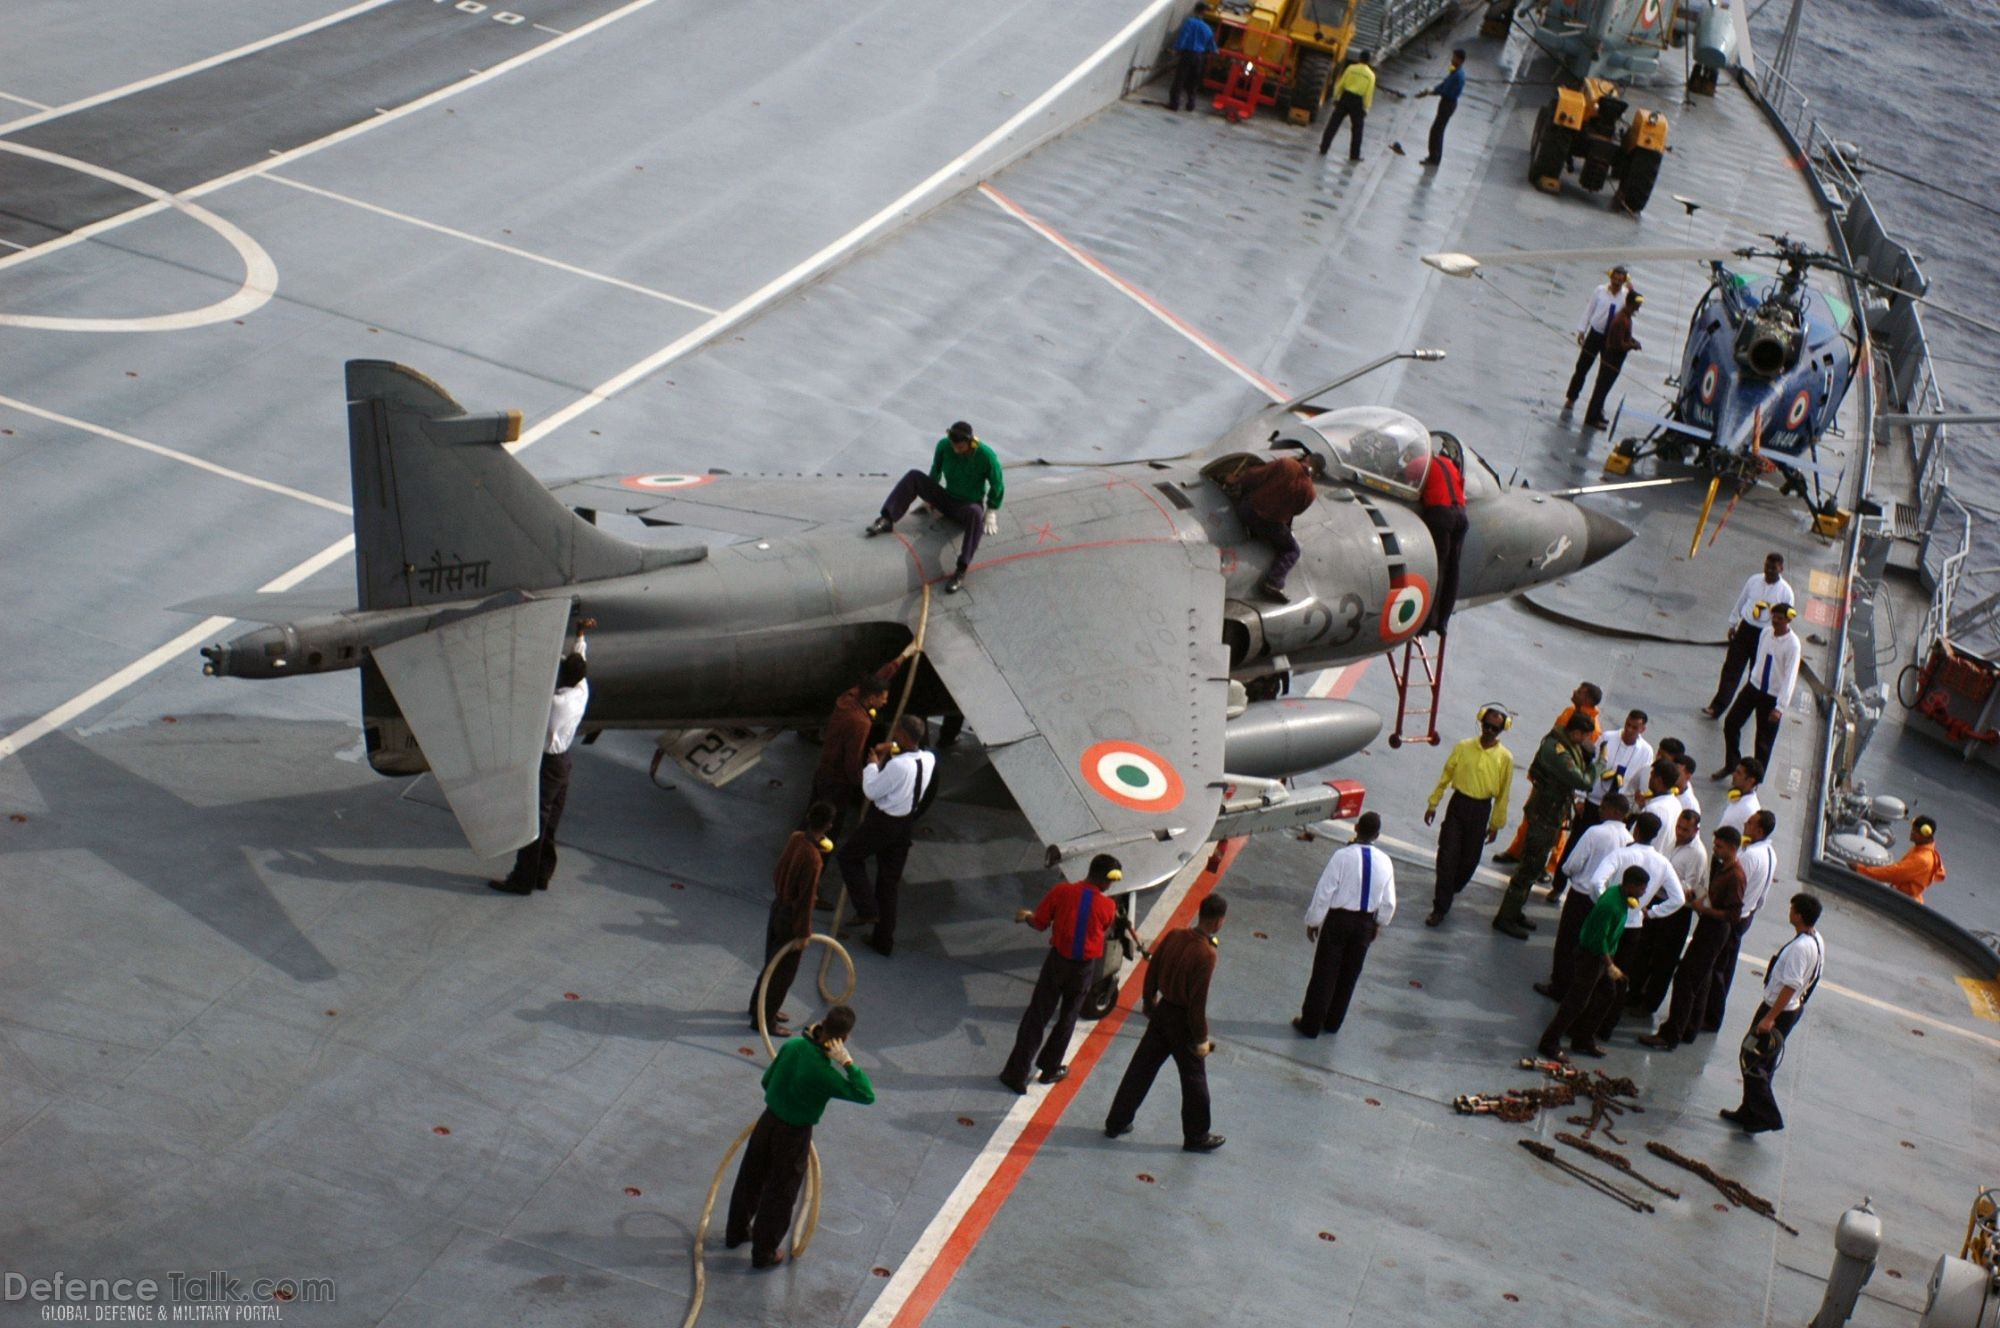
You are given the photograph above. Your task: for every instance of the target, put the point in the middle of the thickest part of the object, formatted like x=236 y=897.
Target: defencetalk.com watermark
x=175 y=1297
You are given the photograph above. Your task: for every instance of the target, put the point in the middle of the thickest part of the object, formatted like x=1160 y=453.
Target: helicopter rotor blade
x=1465 y=265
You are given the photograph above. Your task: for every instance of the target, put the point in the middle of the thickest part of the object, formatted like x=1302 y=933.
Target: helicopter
x=1764 y=368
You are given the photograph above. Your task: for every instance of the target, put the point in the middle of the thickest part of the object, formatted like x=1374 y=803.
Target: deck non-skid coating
x=246 y=984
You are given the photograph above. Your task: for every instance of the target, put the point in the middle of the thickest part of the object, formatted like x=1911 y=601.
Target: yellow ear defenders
x=1735 y=794
x=1114 y=875
x=825 y=844
x=1495 y=708
x=872 y=712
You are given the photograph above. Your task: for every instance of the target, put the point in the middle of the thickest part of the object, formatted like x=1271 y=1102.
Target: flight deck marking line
x=558 y=264
x=285 y=158
x=139 y=668
x=168 y=76
x=1339 y=683
x=740 y=311
x=260 y=274
x=927 y=1271
x=173 y=455
x=1138 y=296
x=8 y=96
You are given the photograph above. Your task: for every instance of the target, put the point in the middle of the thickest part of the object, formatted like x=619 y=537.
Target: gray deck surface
x=245 y=983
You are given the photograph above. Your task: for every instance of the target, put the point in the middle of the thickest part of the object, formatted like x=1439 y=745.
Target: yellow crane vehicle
x=1294 y=47
x=1585 y=127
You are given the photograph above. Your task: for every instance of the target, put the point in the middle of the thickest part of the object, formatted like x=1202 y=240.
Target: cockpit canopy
x=1377 y=447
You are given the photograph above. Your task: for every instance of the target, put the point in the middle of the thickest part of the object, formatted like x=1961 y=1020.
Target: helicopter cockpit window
x=1375 y=447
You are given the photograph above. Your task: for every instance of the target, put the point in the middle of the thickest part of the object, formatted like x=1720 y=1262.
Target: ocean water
x=1915 y=84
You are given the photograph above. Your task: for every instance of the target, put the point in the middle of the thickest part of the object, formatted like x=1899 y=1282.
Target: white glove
x=993 y=523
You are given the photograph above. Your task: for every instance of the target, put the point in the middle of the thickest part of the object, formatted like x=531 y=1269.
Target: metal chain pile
x=1618 y=1160
x=1739 y=1194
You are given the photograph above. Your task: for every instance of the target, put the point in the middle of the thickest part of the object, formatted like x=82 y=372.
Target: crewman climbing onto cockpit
x=1443 y=499
x=1267 y=495
x=964 y=483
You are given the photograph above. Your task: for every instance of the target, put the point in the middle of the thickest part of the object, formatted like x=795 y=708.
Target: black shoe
x=1434 y=919
x=881 y=948
x=1596 y=422
x=1299 y=1027
x=541 y=885
x=1548 y=989
x=1055 y=1076
x=1510 y=927
x=955 y=584
x=1658 y=1041
x=1208 y=1143
x=1354 y=159
x=760 y=1262
x=734 y=1242
x=1016 y=1086
x=1717 y=776
x=1555 y=894
x=1590 y=1049
x=881 y=525
x=1428 y=161
x=1713 y=712
x=1528 y=922
x=1505 y=859
x=1114 y=1131
x=1732 y=1115
x=507 y=889
x=1557 y=1055
x=862 y=920
x=1270 y=589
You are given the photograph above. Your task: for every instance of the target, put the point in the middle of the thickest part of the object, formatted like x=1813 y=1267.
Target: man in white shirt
x=1605 y=302
x=1354 y=900
x=1664 y=937
x=1623 y=758
x=1663 y=800
x=1741 y=802
x=1774 y=670
x=1788 y=984
x=1759 y=860
x=535 y=863
x=1747 y=620
x=894 y=779
x=1590 y=850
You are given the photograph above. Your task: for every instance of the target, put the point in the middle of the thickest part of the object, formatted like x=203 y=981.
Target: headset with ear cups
x=825 y=844
x=1114 y=875
x=1506 y=715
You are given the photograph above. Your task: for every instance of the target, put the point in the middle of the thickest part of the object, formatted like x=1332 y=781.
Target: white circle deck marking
x=260 y=274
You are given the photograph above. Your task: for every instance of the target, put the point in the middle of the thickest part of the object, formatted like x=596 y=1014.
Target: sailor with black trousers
x=1788 y=984
x=1354 y=900
x=1747 y=620
x=1605 y=302
x=1176 y=1005
x=1774 y=671
x=1077 y=915
x=896 y=779
x=1618 y=343
x=535 y=864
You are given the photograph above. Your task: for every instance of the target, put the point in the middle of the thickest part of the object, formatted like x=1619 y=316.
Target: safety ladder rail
x=1418 y=668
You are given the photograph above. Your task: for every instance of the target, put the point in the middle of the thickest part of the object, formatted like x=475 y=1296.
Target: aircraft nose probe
x=1602 y=536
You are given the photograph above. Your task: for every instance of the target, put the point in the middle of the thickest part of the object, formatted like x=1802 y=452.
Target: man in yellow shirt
x=1353 y=95
x=1479 y=772
x=1919 y=869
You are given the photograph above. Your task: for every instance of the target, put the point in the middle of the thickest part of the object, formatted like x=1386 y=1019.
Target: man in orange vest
x=1919 y=869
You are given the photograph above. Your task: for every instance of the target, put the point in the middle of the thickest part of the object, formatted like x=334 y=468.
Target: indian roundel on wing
x=1409 y=601
x=1649 y=14
x=661 y=483
x=1132 y=776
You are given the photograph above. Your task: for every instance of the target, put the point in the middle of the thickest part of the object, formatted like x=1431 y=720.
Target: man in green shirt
x=1596 y=983
x=810 y=1070
x=965 y=484
x=1564 y=767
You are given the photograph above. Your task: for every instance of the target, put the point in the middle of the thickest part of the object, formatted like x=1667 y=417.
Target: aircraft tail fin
x=442 y=511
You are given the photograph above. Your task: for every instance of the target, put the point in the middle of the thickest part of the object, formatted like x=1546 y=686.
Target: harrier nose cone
x=1602 y=536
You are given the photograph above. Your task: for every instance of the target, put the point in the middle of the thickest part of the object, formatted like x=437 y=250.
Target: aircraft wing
x=1098 y=688
x=476 y=693
x=768 y=505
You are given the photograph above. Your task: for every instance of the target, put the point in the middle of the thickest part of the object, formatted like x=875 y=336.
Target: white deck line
x=508 y=249
x=172 y=454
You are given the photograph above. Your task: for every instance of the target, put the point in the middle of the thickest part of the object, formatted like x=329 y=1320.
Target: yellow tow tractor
x=1584 y=127
x=1293 y=48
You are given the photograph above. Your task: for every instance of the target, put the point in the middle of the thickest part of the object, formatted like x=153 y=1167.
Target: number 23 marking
x=1323 y=628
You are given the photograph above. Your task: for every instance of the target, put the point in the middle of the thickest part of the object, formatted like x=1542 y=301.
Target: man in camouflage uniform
x=1564 y=767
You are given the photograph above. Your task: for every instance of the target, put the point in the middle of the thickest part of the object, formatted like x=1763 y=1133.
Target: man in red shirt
x=1079 y=913
x=1267 y=495
x=1443 y=498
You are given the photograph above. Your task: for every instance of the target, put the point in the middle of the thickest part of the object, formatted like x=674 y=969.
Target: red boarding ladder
x=1420 y=672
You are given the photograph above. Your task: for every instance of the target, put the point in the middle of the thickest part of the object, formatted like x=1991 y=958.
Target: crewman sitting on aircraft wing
x=1267 y=495
x=965 y=484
